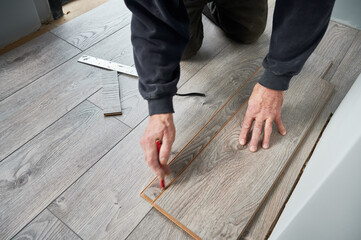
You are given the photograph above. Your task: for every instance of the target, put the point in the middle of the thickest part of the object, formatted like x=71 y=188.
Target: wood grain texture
x=111 y=94
x=114 y=183
x=343 y=79
x=156 y=226
x=95 y=25
x=316 y=65
x=32 y=109
x=104 y=203
x=46 y=226
x=37 y=173
x=198 y=143
x=23 y=65
x=216 y=201
x=334 y=45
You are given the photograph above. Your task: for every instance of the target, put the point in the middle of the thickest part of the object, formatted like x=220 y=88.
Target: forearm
x=298 y=27
x=160 y=32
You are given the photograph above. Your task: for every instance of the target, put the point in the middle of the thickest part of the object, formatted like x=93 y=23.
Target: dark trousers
x=242 y=20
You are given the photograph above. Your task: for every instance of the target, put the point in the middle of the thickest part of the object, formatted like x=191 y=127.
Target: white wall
x=18 y=18
x=348 y=12
x=44 y=12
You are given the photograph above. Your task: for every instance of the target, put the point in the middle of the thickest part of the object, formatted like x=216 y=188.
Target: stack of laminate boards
x=66 y=171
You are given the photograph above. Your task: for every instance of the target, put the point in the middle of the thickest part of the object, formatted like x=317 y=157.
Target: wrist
x=160 y=106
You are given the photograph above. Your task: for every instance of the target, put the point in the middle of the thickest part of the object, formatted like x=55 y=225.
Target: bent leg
x=194 y=9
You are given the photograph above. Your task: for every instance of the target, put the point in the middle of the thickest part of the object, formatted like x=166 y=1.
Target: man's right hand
x=160 y=127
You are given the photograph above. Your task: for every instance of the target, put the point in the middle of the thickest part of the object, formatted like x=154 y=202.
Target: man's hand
x=264 y=107
x=161 y=127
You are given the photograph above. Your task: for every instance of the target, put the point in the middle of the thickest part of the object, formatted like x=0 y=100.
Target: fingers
x=246 y=126
x=165 y=150
x=281 y=128
x=256 y=133
x=151 y=156
x=267 y=133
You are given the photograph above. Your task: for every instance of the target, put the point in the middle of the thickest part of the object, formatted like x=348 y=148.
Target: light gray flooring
x=68 y=171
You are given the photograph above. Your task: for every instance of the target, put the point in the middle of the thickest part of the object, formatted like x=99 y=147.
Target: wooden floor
x=68 y=172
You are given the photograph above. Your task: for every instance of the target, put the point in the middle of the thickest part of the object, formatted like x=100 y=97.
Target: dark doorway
x=56 y=7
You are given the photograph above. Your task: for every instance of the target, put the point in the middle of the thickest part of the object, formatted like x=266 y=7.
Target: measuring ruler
x=108 y=65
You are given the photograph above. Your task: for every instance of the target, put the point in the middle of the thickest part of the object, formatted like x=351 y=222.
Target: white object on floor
x=108 y=65
x=326 y=203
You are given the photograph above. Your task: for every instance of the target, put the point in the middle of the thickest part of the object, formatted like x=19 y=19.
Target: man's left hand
x=264 y=107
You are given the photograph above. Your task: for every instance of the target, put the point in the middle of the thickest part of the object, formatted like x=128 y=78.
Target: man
x=165 y=30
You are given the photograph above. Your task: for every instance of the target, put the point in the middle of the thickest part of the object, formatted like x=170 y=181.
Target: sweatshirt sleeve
x=298 y=27
x=160 y=33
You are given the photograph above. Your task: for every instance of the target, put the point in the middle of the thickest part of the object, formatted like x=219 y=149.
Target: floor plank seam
x=36 y=216
x=115 y=117
x=27 y=224
x=66 y=41
x=43 y=130
x=63 y=222
x=327 y=70
x=100 y=40
x=342 y=58
x=178 y=223
x=145 y=215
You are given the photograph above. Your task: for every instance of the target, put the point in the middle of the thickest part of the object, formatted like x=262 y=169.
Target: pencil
x=158 y=142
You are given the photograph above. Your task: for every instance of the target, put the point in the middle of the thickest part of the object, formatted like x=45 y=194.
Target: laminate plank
x=111 y=95
x=113 y=184
x=217 y=206
x=134 y=107
x=334 y=45
x=38 y=172
x=95 y=25
x=30 y=110
x=315 y=64
x=267 y=216
x=46 y=226
x=33 y=108
x=24 y=64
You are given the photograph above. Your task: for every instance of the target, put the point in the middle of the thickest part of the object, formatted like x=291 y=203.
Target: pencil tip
x=162 y=183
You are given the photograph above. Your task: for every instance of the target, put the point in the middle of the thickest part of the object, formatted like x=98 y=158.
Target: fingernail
x=242 y=142
x=265 y=145
x=253 y=148
x=284 y=133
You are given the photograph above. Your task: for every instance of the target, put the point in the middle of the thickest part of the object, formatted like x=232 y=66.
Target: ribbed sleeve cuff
x=161 y=105
x=275 y=82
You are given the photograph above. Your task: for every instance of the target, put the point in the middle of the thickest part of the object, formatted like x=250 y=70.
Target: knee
x=248 y=35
